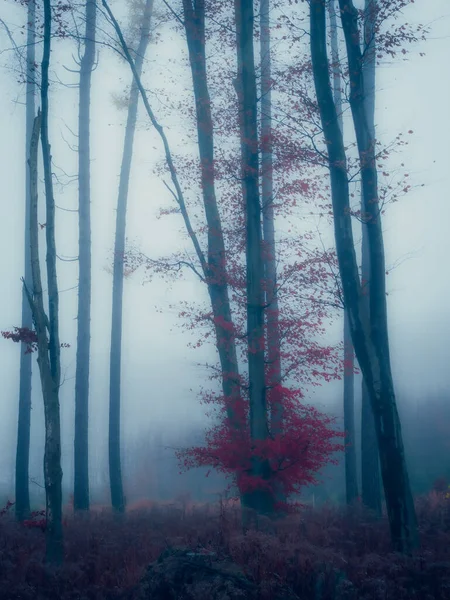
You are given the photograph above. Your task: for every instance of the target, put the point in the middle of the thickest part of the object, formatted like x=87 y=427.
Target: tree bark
x=51 y=372
x=351 y=479
x=50 y=388
x=216 y=272
x=272 y=312
x=261 y=500
x=213 y=272
x=369 y=331
x=81 y=442
x=22 y=506
x=270 y=265
x=370 y=465
x=115 y=469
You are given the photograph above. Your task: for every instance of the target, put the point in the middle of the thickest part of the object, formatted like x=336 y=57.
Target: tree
x=115 y=470
x=232 y=450
x=369 y=330
x=351 y=480
x=215 y=266
x=81 y=445
x=22 y=506
x=48 y=349
x=268 y=222
x=259 y=499
x=370 y=466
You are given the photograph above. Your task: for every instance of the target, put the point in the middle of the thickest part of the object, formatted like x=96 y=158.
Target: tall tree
x=229 y=446
x=22 y=506
x=81 y=442
x=50 y=363
x=47 y=327
x=261 y=499
x=370 y=466
x=115 y=469
x=369 y=330
x=272 y=312
x=215 y=265
x=351 y=480
x=267 y=201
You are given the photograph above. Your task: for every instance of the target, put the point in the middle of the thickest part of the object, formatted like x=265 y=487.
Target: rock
x=183 y=574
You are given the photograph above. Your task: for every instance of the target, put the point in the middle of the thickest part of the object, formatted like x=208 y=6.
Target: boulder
x=183 y=574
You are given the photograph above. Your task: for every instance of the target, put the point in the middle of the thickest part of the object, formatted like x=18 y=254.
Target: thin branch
x=168 y=155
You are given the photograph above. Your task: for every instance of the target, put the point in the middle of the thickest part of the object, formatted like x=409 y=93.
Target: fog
x=161 y=374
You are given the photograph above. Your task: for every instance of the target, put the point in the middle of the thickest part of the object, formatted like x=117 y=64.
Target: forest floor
x=322 y=554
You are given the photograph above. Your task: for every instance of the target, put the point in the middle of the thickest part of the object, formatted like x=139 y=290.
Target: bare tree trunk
x=274 y=379
x=271 y=297
x=213 y=274
x=51 y=379
x=216 y=272
x=48 y=371
x=257 y=499
x=261 y=500
x=351 y=479
x=115 y=469
x=22 y=506
x=369 y=332
x=370 y=465
x=81 y=442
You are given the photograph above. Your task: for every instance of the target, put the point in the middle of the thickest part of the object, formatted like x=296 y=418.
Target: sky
x=161 y=374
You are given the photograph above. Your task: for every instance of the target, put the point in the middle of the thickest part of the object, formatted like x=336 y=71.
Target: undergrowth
x=325 y=554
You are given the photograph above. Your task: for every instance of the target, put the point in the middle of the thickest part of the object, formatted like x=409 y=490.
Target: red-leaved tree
x=304 y=282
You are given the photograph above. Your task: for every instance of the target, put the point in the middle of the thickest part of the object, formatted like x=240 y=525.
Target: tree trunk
x=81 y=443
x=274 y=379
x=261 y=500
x=270 y=265
x=370 y=466
x=177 y=192
x=216 y=272
x=50 y=388
x=22 y=506
x=351 y=479
x=51 y=373
x=369 y=332
x=115 y=469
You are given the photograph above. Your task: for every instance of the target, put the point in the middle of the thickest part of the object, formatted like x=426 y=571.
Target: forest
x=224 y=317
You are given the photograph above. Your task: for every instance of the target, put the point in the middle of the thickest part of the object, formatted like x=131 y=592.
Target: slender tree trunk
x=370 y=465
x=270 y=265
x=52 y=455
x=22 y=506
x=369 y=332
x=351 y=479
x=274 y=379
x=216 y=272
x=260 y=500
x=81 y=442
x=51 y=380
x=115 y=469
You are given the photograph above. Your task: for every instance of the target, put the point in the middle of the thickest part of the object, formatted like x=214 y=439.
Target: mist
x=161 y=373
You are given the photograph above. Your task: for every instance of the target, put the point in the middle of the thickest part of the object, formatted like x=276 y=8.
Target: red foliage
x=305 y=446
x=23 y=335
x=36 y=520
x=27 y=336
x=338 y=552
x=307 y=288
x=6 y=508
